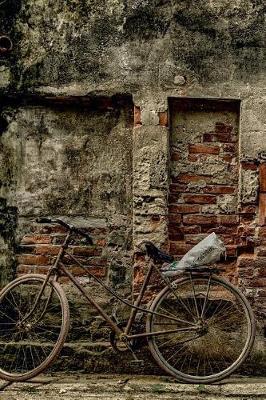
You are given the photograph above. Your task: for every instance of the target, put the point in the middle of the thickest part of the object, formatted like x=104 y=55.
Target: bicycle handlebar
x=45 y=220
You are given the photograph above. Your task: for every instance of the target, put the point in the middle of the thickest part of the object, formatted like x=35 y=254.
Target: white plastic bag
x=207 y=251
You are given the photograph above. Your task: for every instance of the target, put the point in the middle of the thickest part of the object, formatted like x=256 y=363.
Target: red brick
x=184 y=208
x=177 y=218
x=47 y=249
x=193 y=157
x=199 y=198
x=138 y=274
x=220 y=229
x=229 y=148
x=250 y=166
x=174 y=198
x=100 y=242
x=260 y=251
x=36 y=239
x=163 y=118
x=218 y=137
x=257 y=282
x=86 y=251
x=209 y=219
x=203 y=149
x=175 y=236
x=228 y=219
x=227 y=239
x=261 y=272
x=246 y=218
x=248 y=209
x=262 y=177
x=175 y=156
x=192 y=229
x=262 y=209
x=224 y=137
x=97 y=261
x=194 y=239
x=25 y=269
x=228 y=158
x=261 y=231
x=41 y=269
x=187 y=178
x=246 y=261
x=221 y=127
x=32 y=269
x=100 y=272
x=246 y=273
x=231 y=250
x=209 y=137
x=32 y=259
x=253 y=262
x=137 y=116
x=177 y=188
x=196 y=219
x=219 y=189
x=179 y=248
x=245 y=230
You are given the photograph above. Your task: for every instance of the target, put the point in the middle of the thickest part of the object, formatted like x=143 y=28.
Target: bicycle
x=199 y=327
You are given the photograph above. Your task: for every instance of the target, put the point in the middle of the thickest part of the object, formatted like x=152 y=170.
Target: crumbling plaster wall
x=153 y=50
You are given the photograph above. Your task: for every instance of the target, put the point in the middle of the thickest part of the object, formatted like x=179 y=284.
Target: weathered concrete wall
x=136 y=44
x=152 y=50
x=8 y=222
x=67 y=161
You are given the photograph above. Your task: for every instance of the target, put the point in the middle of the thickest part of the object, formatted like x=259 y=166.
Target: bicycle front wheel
x=203 y=328
x=33 y=328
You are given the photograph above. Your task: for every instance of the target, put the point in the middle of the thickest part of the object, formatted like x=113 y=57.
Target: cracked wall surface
x=63 y=152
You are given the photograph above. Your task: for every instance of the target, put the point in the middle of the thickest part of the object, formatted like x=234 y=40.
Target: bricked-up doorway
x=204 y=172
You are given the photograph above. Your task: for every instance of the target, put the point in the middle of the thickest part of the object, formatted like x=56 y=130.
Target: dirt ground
x=130 y=387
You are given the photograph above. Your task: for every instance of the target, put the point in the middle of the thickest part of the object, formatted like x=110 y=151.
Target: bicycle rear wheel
x=207 y=329
x=31 y=335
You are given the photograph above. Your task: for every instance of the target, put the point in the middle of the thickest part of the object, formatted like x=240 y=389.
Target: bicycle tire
x=28 y=346
x=226 y=329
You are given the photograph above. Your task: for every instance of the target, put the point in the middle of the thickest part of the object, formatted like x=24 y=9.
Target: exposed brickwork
x=262 y=208
x=262 y=177
x=137 y=116
x=163 y=118
x=203 y=149
x=204 y=182
x=38 y=250
x=199 y=199
x=205 y=196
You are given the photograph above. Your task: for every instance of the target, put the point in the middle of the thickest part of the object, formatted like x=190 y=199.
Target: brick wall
x=251 y=266
x=38 y=250
x=204 y=176
x=212 y=190
x=109 y=258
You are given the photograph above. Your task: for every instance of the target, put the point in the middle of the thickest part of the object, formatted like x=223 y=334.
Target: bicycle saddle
x=156 y=254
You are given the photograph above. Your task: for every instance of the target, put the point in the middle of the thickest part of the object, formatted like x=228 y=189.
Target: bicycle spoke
x=28 y=339
x=220 y=329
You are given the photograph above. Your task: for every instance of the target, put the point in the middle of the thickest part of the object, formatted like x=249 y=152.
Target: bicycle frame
x=59 y=269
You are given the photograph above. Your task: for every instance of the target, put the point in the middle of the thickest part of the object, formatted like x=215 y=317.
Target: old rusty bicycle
x=199 y=327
